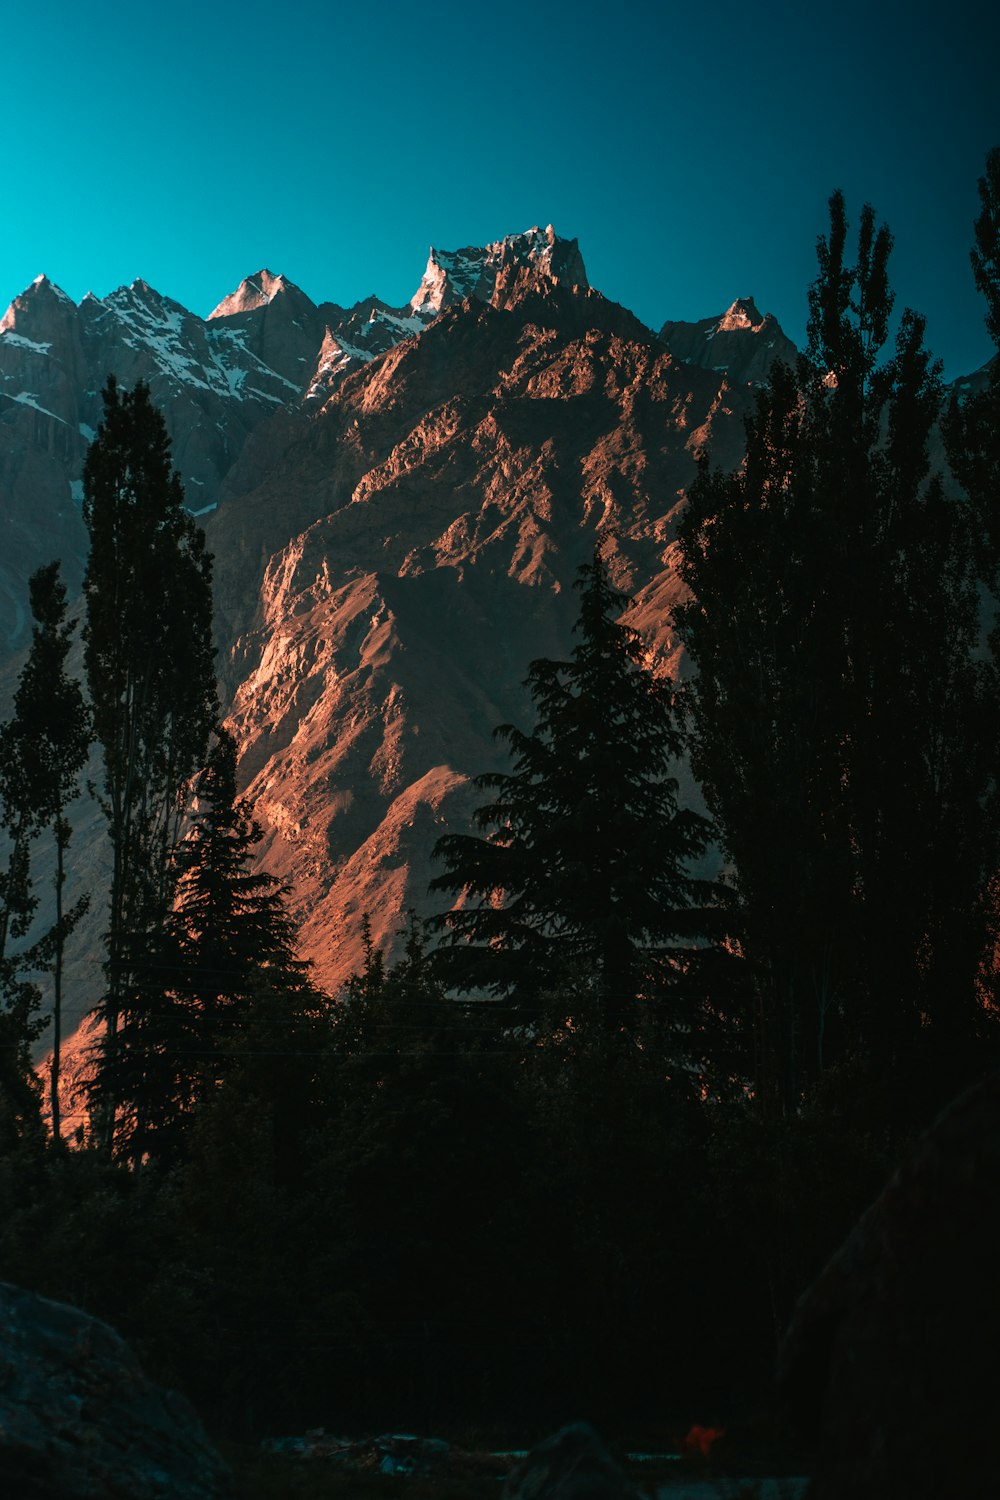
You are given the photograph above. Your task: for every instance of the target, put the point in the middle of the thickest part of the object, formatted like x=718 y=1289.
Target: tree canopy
x=585 y=866
x=844 y=724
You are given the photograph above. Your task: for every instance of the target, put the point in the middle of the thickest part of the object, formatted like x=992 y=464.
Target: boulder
x=80 y=1421
x=572 y=1464
x=890 y=1363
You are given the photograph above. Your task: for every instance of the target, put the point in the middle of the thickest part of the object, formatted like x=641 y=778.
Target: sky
x=690 y=149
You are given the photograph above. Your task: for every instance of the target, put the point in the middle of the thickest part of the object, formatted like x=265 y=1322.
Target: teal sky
x=691 y=149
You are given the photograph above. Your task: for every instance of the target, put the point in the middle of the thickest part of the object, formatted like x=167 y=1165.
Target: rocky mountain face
x=743 y=343
x=398 y=500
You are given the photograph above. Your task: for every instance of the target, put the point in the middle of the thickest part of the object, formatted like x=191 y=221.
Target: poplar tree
x=54 y=722
x=972 y=429
x=149 y=664
x=843 y=727
x=43 y=749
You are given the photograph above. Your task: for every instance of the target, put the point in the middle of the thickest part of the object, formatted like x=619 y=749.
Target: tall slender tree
x=585 y=863
x=54 y=724
x=43 y=749
x=843 y=726
x=149 y=662
x=972 y=429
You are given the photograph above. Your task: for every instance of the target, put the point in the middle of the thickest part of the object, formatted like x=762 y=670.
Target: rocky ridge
x=743 y=342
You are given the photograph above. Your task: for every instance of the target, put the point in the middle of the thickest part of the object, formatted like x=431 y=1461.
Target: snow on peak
x=253 y=292
x=38 y=301
x=453 y=275
x=42 y=283
x=742 y=314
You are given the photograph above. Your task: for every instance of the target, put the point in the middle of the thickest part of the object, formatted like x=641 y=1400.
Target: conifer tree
x=226 y=991
x=842 y=725
x=231 y=923
x=584 y=867
x=972 y=428
x=54 y=723
x=43 y=749
x=149 y=670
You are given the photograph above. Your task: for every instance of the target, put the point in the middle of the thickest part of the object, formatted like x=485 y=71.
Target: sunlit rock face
x=453 y=275
x=398 y=499
x=742 y=341
x=410 y=552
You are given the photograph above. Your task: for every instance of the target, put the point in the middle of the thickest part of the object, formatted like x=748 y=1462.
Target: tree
x=149 y=670
x=972 y=428
x=43 y=749
x=585 y=864
x=843 y=728
x=53 y=723
x=224 y=987
x=231 y=923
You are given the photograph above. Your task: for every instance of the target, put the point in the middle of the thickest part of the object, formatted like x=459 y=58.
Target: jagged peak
x=453 y=275
x=253 y=292
x=42 y=283
x=743 y=313
x=138 y=290
x=38 y=294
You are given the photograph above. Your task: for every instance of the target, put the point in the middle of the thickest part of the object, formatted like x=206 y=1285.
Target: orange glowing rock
x=699 y=1440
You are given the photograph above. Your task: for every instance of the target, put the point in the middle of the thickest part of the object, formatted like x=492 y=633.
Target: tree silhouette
x=844 y=729
x=149 y=670
x=584 y=867
x=224 y=988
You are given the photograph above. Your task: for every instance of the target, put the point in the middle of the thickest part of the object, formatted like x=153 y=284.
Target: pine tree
x=842 y=724
x=43 y=749
x=149 y=670
x=231 y=923
x=584 y=868
x=972 y=429
x=53 y=723
x=225 y=989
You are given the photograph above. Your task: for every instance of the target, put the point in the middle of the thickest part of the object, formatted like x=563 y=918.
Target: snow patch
x=18 y=341
x=28 y=398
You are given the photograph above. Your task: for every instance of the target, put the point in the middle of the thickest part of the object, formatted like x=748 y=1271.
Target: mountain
x=744 y=342
x=398 y=500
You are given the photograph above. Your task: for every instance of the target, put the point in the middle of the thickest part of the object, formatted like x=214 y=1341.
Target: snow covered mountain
x=266 y=346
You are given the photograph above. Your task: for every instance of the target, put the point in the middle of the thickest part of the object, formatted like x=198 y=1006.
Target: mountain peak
x=743 y=341
x=253 y=292
x=453 y=275
x=41 y=299
x=742 y=314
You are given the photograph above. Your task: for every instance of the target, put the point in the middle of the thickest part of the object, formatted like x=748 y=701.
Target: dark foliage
x=845 y=729
x=149 y=670
x=558 y=1194
x=43 y=749
x=585 y=863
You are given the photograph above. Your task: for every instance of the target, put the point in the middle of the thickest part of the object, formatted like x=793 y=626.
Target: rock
x=572 y=1464
x=80 y=1421
x=890 y=1363
x=742 y=341
x=399 y=1453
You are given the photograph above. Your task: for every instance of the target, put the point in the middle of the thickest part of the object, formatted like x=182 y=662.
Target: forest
x=580 y=1148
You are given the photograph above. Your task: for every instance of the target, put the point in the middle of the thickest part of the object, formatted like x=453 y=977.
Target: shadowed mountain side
x=465 y=476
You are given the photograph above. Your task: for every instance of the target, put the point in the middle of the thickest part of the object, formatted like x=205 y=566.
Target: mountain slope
x=436 y=512
x=398 y=500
